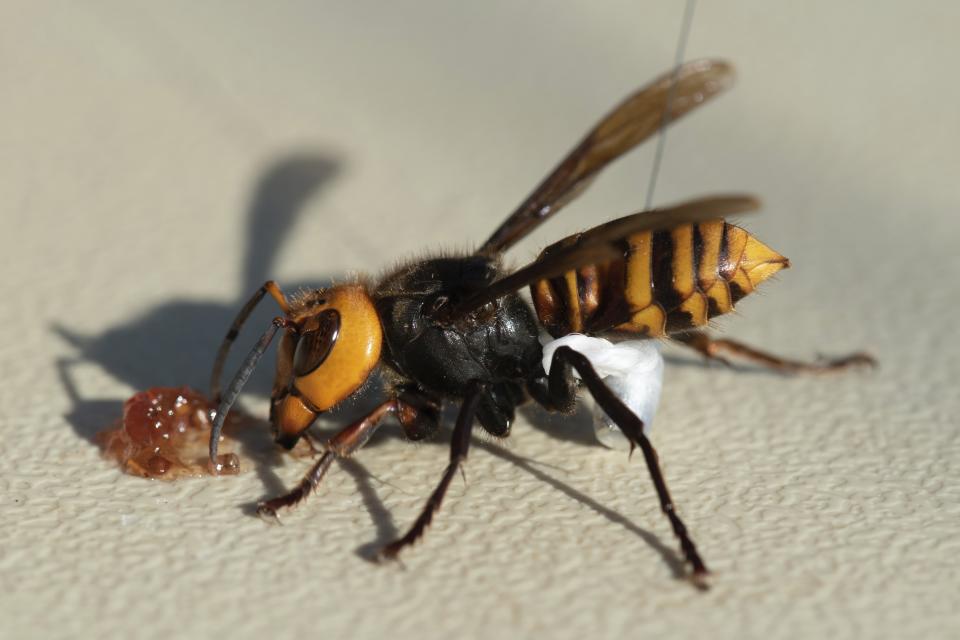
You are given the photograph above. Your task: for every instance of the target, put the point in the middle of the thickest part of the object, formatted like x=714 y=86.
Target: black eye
x=314 y=346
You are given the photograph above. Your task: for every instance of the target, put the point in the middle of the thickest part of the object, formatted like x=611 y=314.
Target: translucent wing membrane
x=673 y=94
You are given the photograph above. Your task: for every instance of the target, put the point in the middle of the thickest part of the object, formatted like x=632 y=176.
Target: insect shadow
x=174 y=344
x=387 y=530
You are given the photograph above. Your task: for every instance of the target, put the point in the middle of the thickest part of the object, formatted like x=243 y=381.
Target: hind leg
x=712 y=348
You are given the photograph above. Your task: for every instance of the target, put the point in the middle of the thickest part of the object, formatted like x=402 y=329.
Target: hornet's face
x=328 y=357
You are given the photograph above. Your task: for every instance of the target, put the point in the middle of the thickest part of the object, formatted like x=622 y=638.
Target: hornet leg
x=458 y=454
x=417 y=413
x=711 y=348
x=632 y=427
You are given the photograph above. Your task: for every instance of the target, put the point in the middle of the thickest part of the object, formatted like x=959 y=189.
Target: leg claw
x=389 y=553
x=268 y=514
x=699 y=580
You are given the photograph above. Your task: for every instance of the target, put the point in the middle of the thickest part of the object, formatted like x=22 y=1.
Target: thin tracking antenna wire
x=662 y=137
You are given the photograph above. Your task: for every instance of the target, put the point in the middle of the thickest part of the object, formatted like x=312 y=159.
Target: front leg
x=417 y=413
x=711 y=348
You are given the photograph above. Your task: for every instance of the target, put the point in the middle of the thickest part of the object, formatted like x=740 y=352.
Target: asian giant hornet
x=453 y=328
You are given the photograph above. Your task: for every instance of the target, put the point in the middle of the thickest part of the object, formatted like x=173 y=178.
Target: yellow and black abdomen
x=667 y=281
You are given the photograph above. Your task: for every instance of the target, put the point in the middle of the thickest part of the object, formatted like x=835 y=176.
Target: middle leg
x=560 y=381
x=459 y=446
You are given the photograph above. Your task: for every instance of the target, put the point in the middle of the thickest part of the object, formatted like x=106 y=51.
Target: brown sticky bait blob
x=165 y=432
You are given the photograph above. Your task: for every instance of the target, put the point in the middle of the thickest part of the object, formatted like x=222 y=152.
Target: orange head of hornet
x=330 y=345
x=329 y=352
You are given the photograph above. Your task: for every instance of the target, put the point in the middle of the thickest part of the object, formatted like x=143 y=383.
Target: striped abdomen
x=667 y=281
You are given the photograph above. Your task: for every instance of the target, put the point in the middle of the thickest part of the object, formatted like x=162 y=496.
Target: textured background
x=152 y=154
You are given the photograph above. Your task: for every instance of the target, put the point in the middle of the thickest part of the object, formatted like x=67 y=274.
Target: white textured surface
x=136 y=139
